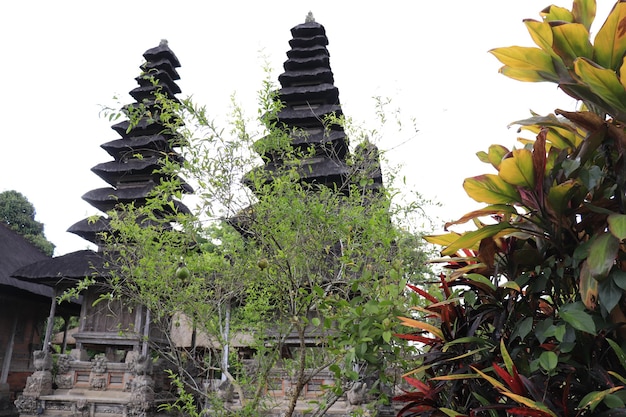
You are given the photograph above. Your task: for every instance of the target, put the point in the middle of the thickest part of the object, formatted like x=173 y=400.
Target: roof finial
x=309 y=18
x=163 y=42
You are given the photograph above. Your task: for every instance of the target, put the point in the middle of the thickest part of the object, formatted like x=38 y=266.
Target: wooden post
x=53 y=309
x=65 y=324
x=6 y=364
x=146 y=334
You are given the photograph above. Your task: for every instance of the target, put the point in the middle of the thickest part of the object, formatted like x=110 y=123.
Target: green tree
x=314 y=275
x=534 y=317
x=19 y=214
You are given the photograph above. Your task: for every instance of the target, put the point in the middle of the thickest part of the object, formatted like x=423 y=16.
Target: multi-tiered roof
x=310 y=98
x=311 y=112
x=139 y=154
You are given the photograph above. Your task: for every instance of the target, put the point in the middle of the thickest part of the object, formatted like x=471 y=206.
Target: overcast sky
x=64 y=59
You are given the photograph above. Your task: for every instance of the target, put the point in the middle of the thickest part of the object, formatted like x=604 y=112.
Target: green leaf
x=602 y=255
x=610 y=42
x=619 y=352
x=609 y=292
x=591 y=177
x=523 y=328
x=519 y=169
x=570 y=165
x=387 y=336
x=602 y=82
x=580 y=320
x=548 y=360
x=490 y=189
x=594 y=398
x=619 y=278
x=613 y=401
x=316 y=321
x=481 y=279
x=559 y=332
x=617 y=225
x=495 y=154
x=450 y=412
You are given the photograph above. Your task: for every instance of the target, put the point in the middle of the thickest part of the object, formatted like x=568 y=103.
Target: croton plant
x=530 y=318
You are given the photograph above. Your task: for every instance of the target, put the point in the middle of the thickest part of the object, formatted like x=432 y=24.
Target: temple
x=110 y=371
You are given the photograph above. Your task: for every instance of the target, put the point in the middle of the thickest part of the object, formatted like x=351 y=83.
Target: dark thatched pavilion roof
x=63 y=270
x=16 y=252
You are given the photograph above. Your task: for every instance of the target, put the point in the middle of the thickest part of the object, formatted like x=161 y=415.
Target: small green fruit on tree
x=182 y=273
x=263 y=263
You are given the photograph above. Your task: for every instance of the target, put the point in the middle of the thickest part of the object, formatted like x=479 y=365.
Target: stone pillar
x=38 y=384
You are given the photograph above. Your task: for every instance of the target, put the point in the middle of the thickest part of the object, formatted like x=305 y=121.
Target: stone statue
x=356 y=394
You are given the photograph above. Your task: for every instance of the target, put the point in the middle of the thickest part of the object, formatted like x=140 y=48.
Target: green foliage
x=19 y=214
x=532 y=321
x=275 y=259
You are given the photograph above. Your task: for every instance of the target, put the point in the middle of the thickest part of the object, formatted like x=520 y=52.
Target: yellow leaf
x=541 y=33
x=525 y=58
x=529 y=403
x=490 y=189
x=556 y=13
x=508 y=362
x=496 y=384
x=622 y=73
x=592 y=399
x=525 y=75
x=602 y=82
x=442 y=240
x=486 y=211
x=610 y=42
x=560 y=195
x=584 y=12
x=571 y=41
x=519 y=169
x=422 y=326
x=469 y=239
x=588 y=287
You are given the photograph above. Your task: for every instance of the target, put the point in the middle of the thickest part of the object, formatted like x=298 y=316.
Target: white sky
x=63 y=59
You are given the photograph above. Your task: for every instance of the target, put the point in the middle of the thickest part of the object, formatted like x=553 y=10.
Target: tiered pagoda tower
x=311 y=109
x=310 y=116
x=109 y=373
x=137 y=156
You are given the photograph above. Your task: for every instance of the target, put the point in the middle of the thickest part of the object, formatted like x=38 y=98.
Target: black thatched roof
x=17 y=252
x=66 y=269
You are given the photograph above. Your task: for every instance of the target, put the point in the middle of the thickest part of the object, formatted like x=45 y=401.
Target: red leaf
x=444 y=286
x=414 y=410
x=539 y=160
x=421 y=386
x=514 y=383
x=524 y=411
x=423 y=293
